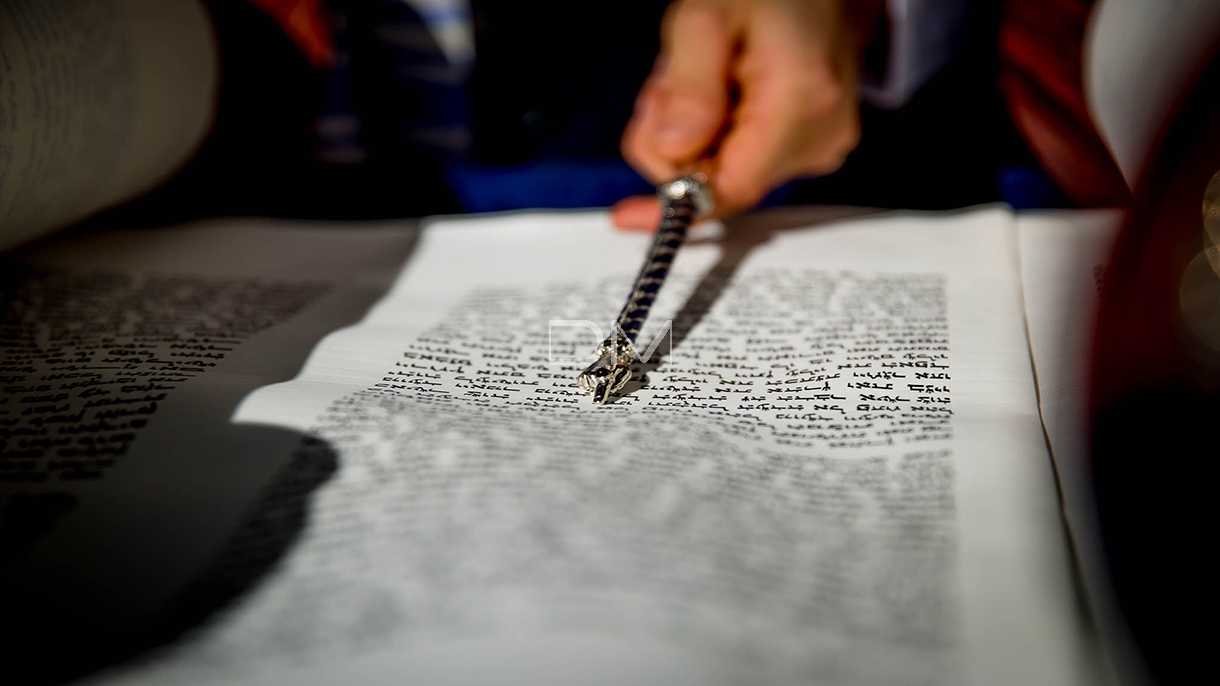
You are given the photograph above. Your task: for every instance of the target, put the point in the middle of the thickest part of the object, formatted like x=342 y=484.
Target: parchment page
x=1064 y=258
x=122 y=357
x=837 y=477
x=1139 y=56
x=100 y=101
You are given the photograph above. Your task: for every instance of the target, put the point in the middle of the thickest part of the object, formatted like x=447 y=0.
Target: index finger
x=682 y=108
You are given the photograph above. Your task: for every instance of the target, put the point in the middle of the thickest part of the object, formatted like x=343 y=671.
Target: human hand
x=764 y=89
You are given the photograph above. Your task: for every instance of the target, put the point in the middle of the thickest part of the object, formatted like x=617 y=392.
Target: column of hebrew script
x=477 y=468
x=122 y=356
x=87 y=357
x=833 y=476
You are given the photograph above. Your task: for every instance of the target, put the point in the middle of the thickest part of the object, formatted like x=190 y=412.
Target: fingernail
x=675 y=131
x=682 y=124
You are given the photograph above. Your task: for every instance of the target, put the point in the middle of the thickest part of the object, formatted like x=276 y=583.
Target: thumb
x=692 y=91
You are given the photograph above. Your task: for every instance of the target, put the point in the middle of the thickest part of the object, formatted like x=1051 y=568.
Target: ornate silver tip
x=609 y=374
x=601 y=393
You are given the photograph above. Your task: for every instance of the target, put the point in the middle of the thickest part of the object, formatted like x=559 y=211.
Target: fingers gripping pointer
x=765 y=89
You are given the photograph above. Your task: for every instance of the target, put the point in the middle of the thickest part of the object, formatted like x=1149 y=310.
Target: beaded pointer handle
x=683 y=200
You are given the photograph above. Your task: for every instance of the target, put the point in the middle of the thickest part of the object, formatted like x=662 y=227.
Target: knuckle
x=820 y=90
x=651 y=169
x=649 y=91
x=742 y=196
x=845 y=137
x=639 y=156
x=821 y=167
x=670 y=17
x=693 y=98
x=694 y=16
x=629 y=144
x=627 y=147
x=827 y=160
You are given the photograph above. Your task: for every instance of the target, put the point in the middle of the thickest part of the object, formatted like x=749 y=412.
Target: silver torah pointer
x=684 y=199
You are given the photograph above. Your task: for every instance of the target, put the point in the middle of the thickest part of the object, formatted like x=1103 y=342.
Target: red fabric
x=1041 y=77
x=307 y=24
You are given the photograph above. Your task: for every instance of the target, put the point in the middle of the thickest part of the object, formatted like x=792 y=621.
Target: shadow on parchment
x=195 y=510
x=741 y=237
x=207 y=508
x=48 y=639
